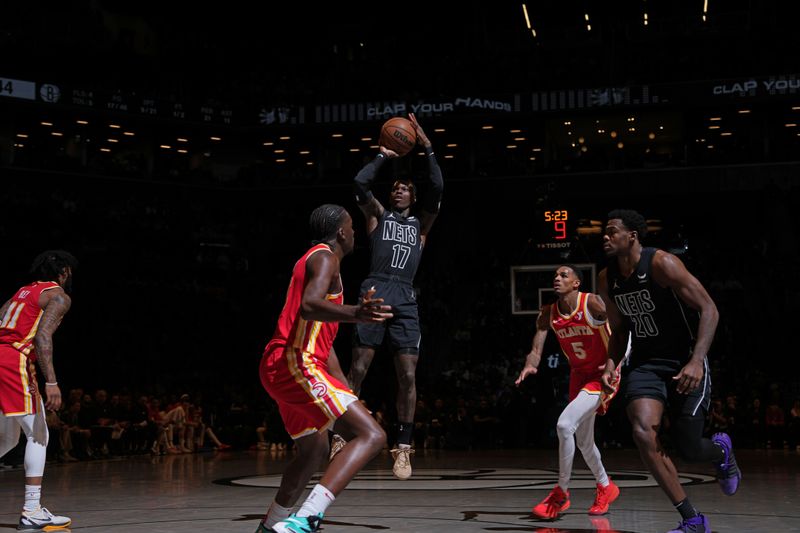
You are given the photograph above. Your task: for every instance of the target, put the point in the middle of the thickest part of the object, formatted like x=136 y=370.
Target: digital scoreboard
x=556 y=223
x=554 y=230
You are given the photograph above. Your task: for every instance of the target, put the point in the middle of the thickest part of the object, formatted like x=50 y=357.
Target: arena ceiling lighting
x=528 y=21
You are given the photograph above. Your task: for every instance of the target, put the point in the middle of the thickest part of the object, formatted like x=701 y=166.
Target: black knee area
x=687 y=436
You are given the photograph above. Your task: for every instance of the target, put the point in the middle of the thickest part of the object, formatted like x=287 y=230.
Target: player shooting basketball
x=396 y=237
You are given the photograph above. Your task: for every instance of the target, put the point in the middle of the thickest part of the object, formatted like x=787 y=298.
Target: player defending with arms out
x=396 y=238
x=579 y=321
x=27 y=323
x=301 y=372
x=650 y=293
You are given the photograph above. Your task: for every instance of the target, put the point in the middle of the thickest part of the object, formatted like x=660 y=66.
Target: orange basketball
x=398 y=135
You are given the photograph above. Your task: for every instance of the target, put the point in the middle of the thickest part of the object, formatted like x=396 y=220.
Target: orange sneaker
x=605 y=497
x=556 y=503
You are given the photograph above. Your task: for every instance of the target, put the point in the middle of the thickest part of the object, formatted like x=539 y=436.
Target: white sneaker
x=41 y=519
x=402 y=462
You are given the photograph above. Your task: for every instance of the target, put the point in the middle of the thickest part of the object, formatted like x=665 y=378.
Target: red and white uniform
x=294 y=367
x=584 y=340
x=18 y=327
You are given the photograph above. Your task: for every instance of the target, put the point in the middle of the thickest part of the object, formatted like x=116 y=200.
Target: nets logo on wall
x=476 y=479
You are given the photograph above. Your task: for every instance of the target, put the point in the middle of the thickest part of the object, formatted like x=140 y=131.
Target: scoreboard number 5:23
x=559 y=220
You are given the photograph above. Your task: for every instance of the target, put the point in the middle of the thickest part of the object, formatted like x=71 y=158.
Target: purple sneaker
x=698 y=524
x=728 y=473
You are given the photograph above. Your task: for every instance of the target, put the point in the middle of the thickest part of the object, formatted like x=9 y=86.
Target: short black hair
x=578 y=273
x=325 y=221
x=632 y=220
x=50 y=264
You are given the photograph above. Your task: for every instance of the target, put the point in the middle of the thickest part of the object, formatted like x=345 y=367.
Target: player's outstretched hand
x=390 y=154
x=422 y=139
x=371 y=310
x=526 y=371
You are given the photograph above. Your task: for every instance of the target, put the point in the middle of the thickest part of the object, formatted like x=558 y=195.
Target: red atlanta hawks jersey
x=21 y=321
x=309 y=336
x=583 y=340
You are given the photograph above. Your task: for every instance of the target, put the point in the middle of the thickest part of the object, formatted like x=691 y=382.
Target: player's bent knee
x=643 y=436
x=407 y=379
x=376 y=438
x=565 y=428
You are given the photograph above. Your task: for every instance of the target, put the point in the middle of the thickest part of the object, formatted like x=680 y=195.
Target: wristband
x=53 y=384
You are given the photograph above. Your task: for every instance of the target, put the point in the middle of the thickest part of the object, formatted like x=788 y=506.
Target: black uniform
x=662 y=338
x=396 y=251
x=396 y=246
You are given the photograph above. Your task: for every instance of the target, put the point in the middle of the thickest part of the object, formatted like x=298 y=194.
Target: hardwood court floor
x=450 y=491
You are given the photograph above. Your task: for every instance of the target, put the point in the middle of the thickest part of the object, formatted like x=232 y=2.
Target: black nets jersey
x=396 y=247
x=661 y=325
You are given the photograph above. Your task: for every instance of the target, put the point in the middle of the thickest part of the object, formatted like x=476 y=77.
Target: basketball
x=398 y=135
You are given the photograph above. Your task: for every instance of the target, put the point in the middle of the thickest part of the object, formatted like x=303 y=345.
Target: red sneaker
x=605 y=496
x=556 y=503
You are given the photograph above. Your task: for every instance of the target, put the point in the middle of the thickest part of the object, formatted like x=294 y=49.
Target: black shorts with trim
x=402 y=329
x=653 y=379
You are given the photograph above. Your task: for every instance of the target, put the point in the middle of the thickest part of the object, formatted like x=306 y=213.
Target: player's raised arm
x=362 y=185
x=433 y=197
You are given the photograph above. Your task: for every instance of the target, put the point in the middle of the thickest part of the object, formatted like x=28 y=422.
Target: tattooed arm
x=55 y=304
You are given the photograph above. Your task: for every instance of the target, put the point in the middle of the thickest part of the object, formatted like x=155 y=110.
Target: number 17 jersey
x=396 y=247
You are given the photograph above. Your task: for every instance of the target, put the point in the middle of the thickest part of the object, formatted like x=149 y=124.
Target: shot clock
x=556 y=224
x=554 y=230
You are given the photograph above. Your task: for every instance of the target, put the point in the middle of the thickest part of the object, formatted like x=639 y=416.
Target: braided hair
x=50 y=264
x=325 y=221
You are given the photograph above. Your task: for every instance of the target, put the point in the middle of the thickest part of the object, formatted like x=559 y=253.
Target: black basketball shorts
x=402 y=329
x=653 y=379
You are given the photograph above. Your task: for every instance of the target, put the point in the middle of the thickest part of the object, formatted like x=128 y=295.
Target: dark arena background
x=177 y=151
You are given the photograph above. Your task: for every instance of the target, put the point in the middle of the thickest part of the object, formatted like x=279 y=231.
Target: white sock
x=32 y=495
x=317 y=502
x=276 y=513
